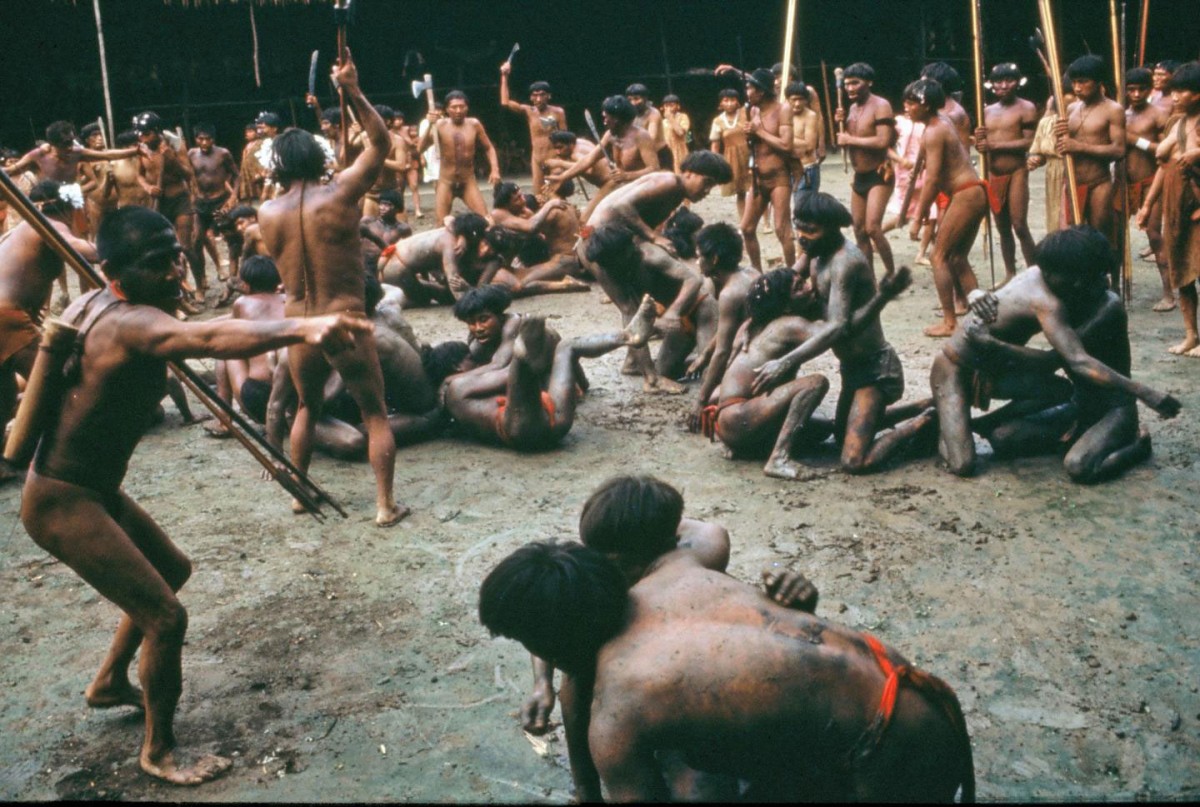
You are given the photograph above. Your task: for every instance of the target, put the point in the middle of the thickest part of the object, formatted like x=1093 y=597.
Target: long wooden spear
x=977 y=57
x=1142 y=32
x=1117 y=30
x=341 y=16
x=828 y=104
x=293 y=480
x=1046 y=11
x=789 y=36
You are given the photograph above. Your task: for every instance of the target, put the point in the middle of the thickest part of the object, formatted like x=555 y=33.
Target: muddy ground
x=341 y=662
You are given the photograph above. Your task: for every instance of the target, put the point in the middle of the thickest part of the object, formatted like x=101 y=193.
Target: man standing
x=870 y=132
x=216 y=189
x=650 y=119
x=542 y=118
x=769 y=131
x=1004 y=140
x=458 y=138
x=312 y=229
x=170 y=175
x=808 y=143
x=1145 y=124
x=395 y=167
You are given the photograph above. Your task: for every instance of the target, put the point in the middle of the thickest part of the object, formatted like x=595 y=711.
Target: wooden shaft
x=1117 y=29
x=789 y=32
x=43 y=393
x=1142 y=32
x=1046 y=10
x=977 y=57
x=344 y=107
x=828 y=103
x=918 y=167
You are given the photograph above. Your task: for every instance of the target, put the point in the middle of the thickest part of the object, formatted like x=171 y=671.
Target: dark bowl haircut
x=539 y=86
x=1170 y=65
x=1139 y=77
x=260 y=274
x=443 y=359
x=471 y=226
x=89 y=130
x=298 y=156
x=206 y=129
x=634 y=516
x=619 y=107
x=393 y=197
x=927 y=92
x=332 y=116
x=1004 y=70
x=860 y=70
x=764 y=80
x=269 y=119
x=708 y=164
x=242 y=212
x=457 y=95
x=130 y=233
x=770 y=295
x=503 y=193
x=609 y=243
x=944 y=74
x=1089 y=66
x=722 y=243
x=561 y=601
x=1186 y=77
x=639 y=90
x=729 y=93
x=681 y=231
x=823 y=210
x=61 y=131
x=492 y=298
x=1076 y=251
x=384 y=111
x=796 y=88
x=126 y=139
x=563 y=138
x=670 y=99
x=148 y=122
x=565 y=189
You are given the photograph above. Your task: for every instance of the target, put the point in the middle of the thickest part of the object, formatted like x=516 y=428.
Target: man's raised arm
x=505 y=99
x=360 y=175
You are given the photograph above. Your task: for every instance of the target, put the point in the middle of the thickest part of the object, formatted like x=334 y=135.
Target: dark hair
x=471 y=226
x=670 y=98
x=533 y=250
x=372 y=292
x=764 y=80
x=708 y=164
x=729 y=93
x=126 y=139
x=249 y=127
x=1170 y=65
x=89 y=130
x=241 y=212
x=504 y=193
x=944 y=74
x=565 y=189
x=332 y=116
x=1139 y=77
x=608 y=243
x=297 y=155
x=619 y=107
x=442 y=360
x=128 y=233
x=1089 y=66
x=640 y=90
x=823 y=210
x=457 y=95
x=721 y=243
x=46 y=192
x=563 y=138
x=147 y=122
x=268 y=118
x=561 y=601
x=1079 y=251
x=393 y=197
x=634 y=516
x=384 y=111
x=777 y=69
x=260 y=274
x=860 y=70
x=1004 y=70
x=492 y=297
x=206 y=129
x=681 y=231
x=926 y=91
x=531 y=201
x=505 y=242
x=770 y=295
x=539 y=86
x=1186 y=77
x=797 y=88
x=61 y=131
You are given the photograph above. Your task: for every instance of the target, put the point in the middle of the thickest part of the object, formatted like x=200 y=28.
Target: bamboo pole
x=1117 y=29
x=789 y=36
x=977 y=59
x=1046 y=11
x=104 y=72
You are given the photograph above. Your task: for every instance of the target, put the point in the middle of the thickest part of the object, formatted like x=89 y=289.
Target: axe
x=587 y=114
x=516 y=47
x=424 y=86
x=312 y=74
x=840 y=78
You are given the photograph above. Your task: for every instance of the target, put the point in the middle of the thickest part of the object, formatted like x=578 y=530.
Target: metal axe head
x=312 y=72
x=419 y=87
x=516 y=47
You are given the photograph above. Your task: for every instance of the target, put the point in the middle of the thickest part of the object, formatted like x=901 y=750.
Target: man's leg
x=1191 y=338
x=535 y=172
x=1099 y=213
x=1008 y=243
x=781 y=201
x=775 y=420
x=956 y=444
x=877 y=199
x=185 y=230
x=138 y=570
x=957 y=228
x=414 y=183
x=1018 y=213
x=359 y=368
x=864 y=416
x=309 y=371
x=443 y=199
x=1112 y=445
x=473 y=198
x=754 y=210
x=858 y=219
x=1155 y=237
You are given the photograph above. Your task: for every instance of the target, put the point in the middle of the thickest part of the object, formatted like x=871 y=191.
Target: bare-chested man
x=626 y=145
x=1004 y=138
x=438 y=266
x=953 y=109
x=169 y=172
x=1161 y=95
x=1177 y=184
x=216 y=189
x=566 y=149
x=28 y=269
x=73 y=506
x=808 y=142
x=458 y=138
x=948 y=170
x=543 y=120
x=529 y=403
x=394 y=169
x=691 y=661
x=511 y=213
x=769 y=131
x=650 y=119
x=719 y=248
x=99 y=189
x=312 y=230
x=383 y=229
x=1145 y=125
x=129 y=175
x=1094 y=134
x=1064 y=291
x=870 y=132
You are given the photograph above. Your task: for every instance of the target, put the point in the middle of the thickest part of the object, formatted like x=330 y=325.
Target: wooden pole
x=828 y=103
x=1117 y=29
x=839 y=77
x=104 y=72
x=977 y=59
x=1046 y=11
x=254 y=41
x=789 y=36
x=1145 y=17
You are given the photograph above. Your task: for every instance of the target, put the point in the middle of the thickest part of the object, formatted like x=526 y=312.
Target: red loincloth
x=502 y=404
x=710 y=414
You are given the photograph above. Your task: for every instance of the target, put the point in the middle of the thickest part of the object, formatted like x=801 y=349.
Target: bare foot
x=923 y=261
x=1195 y=215
x=1165 y=304
x=782 y=468
x=574 y=284
x=532 y=344
x=207 y=768
x=630 y=367
x=122 y=694
x=190 y=419
x=641 y=326
x=217 y=430
x=1184 y=347
x=663 y=385
x=391 y=517
x=1194 y=353
x=939 y=331
x=1146 y=253
x=298 y=507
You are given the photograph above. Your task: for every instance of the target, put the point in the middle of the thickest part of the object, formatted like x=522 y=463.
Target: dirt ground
x=341 y=662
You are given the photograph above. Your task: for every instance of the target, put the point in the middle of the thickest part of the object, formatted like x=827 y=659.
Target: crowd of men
x=321 y=261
